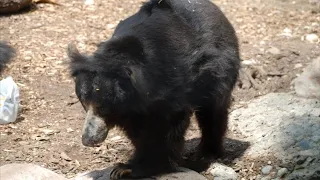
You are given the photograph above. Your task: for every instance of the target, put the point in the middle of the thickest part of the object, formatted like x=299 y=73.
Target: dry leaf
x=46 y=1
x=65 y=156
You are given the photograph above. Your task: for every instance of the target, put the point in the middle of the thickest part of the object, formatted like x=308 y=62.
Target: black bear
x=6 y=54
x=170 y=59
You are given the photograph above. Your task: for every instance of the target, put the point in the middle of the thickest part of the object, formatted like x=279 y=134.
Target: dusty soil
x=48 y=129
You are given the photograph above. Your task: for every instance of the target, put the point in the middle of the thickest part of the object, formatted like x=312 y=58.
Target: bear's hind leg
x=213 y=121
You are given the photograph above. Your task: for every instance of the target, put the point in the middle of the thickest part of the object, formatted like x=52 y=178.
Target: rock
x=297 y=66
x=12 y=6
x=312 y=38
x=27 y=58
x=17 y=171
x=116 y=138
x=287 y=32
x=49 y=131
x=284 y=126
x=259 y=177
x=248 y=62
x=276 y=123
x=274 y=51
x=103 y=174
x=308 y=83
x=221 y=172
x=69 y=130
x=266 y=170
x=111 y=26
x=266 y=178
x=282 y=172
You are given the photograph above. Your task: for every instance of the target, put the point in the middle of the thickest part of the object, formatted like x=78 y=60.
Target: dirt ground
x=48 y=130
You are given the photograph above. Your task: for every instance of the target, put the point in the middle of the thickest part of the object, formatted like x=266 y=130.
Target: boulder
x=24 y=171
x=308 y=83
x=103 y=174
x=282 y=126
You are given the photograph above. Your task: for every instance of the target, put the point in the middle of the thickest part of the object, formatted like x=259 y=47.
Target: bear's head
x=110 y=84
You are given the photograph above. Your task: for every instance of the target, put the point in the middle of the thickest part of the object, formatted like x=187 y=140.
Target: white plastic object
x=9 y=100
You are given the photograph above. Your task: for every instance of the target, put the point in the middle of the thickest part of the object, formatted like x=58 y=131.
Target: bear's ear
x=77 y=60
x=74 y=54
x=130 y=45
x=135 y=74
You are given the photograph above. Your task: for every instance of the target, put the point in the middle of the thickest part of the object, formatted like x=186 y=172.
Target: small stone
x=274 y=51
x=282 y=172
x=266 y=170
x=266 y=178
x=69 y=130
x=259 y=177
x=287 y=32
x=269 y=162
x=116 y=138
x=221 y=172
x=248 y=62
x=312 y=38
x=111 y=26
x=27 y=58
x=49 y=131
x=297 y=66
x=89 y=2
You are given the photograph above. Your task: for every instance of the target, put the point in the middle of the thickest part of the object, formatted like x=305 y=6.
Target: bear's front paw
x=121 y=171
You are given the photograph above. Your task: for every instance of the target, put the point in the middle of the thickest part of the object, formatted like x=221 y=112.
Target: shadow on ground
x=233 y=149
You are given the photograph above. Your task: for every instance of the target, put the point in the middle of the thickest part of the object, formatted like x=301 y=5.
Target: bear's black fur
x=6 y=54
x=170 y=59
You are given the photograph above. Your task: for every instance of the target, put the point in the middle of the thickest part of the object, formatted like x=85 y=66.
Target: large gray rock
x=12 y=6
x=308 y=83
x=103 y=174
x=23 y=171
x=284 y=126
